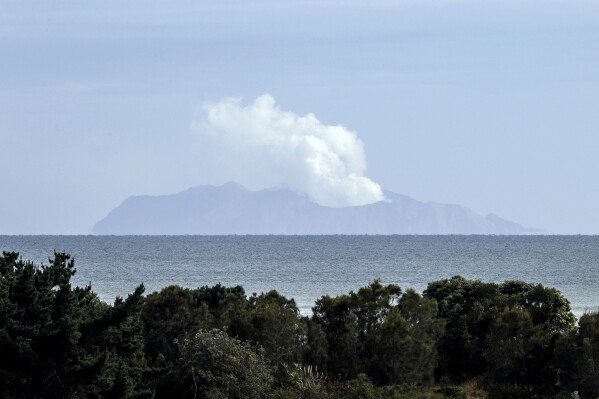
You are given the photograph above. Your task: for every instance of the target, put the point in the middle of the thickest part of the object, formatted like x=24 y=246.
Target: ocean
x=307 y=267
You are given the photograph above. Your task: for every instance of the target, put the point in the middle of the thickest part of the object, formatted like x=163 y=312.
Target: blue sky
x=492 y=105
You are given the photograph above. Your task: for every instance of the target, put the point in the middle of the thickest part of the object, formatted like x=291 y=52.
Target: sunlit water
x=306 y=267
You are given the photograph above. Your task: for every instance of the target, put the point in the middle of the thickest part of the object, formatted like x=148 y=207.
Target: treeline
x=459 y=339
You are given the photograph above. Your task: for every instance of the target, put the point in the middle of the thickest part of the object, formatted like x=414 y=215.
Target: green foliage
x=59 y=341
x=171 y=314
x=317 y=352
x=509 y=340
x=269 y=320
x=229 y=308
x=404 y=347
x=348 y=322
x=213 y=365
x=577 y=357
x=359 y=388
x=547 y=306
x=468 y=308
x=471 y=309
x=512 y=341
x=378 y=332
x=305 y=382
x=276 y=325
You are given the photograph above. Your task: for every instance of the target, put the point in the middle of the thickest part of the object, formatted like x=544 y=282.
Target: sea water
x=307 y=267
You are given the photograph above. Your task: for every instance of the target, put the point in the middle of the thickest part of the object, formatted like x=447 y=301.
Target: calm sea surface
x=306 y=267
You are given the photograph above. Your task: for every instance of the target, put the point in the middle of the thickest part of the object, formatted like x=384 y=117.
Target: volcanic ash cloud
x=259 y=146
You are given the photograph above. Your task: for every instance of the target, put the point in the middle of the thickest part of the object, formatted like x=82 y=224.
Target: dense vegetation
x=459 y=339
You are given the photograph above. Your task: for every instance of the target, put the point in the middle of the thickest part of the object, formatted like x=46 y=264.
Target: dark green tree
x=547 y=306
x=229 y=308
x=349 y=321
x=404 y=347
x=60 y=341
x=378 y=332
x=469 y=308
x=114 y=348
x=509 y=346
x=317 y=346
x=278 y=328
x=172 y=314
x=577 y=357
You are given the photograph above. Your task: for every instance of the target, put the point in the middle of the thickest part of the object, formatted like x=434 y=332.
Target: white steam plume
x=261 y=146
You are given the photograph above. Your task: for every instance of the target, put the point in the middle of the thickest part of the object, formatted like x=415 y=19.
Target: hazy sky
x=490 y=104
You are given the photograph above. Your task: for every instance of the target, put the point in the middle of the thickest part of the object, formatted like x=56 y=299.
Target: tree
x=278 y=328
x=113 y=351
x=547 y=306
x=509 y=346
x=348 y=322
x=317 y=346
x=229 y=308
x=469 y=308
x=60 y=341
x=172 y=314
x=577 y=357
x=378 y=332
x=213 y=365
x=404 y=347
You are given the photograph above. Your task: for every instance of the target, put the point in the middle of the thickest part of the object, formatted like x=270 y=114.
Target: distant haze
x=488 y=104
x=232 y=209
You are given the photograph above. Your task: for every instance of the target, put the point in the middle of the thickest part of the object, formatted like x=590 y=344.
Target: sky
x=489 y=104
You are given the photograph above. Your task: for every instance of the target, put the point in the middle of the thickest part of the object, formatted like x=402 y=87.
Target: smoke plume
x=259 y=146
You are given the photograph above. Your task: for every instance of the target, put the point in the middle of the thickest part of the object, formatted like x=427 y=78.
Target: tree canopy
x=458 y=338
